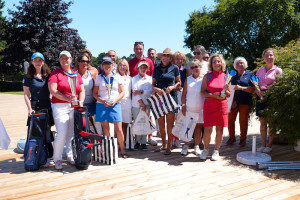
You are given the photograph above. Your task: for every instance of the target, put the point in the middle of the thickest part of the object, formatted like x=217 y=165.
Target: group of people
x=117 y=92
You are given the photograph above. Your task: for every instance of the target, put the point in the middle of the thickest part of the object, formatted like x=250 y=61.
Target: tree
x=2 y=19
x=283 y=110
x=244 y=27
x=97 y=61
x=39 y=25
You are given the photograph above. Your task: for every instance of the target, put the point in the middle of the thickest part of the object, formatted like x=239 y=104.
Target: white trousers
x=63 y=115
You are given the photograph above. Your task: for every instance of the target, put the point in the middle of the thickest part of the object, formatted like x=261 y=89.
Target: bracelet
x=183 y=104
x=242 y=88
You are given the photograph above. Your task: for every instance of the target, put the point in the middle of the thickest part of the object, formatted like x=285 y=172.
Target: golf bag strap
x=94 y=137
x=92 y=122
x=90 y=135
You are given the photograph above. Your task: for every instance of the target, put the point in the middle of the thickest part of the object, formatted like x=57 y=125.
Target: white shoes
x=184 y=150
x=58 y=165
x=267 y=150
x=197 y=150
x=204 y=154
x=71 y=160
x=215 y=156
x=152 y=141
x=261 y=149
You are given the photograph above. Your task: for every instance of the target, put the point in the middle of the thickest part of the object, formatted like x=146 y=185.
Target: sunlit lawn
x=17 y=92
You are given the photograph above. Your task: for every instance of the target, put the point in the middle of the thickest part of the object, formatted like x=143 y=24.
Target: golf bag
x=38 y=146
x=81 y=144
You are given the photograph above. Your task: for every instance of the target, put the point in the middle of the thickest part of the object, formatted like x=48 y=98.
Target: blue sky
x=117 y=24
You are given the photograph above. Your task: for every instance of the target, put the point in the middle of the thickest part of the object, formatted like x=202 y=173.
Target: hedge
x=7 y=86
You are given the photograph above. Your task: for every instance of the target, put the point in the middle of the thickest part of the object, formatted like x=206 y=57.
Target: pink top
x=215 y=82
x=267 y=77
x=58 y=76
x=133 y=63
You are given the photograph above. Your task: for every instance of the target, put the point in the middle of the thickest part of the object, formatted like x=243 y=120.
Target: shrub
x=6 y=86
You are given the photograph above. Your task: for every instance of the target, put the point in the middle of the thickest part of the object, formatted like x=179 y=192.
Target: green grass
x=17 y=92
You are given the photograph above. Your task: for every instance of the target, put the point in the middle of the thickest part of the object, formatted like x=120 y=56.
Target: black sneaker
x=144 y=147
x=136 y=146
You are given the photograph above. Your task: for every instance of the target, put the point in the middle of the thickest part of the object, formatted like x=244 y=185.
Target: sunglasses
x=195 y=67
x=205 y=58
x=197 y=53
x=85 y=61
x=167 y=55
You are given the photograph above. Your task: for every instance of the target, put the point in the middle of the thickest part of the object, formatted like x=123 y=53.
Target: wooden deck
x=145 y=175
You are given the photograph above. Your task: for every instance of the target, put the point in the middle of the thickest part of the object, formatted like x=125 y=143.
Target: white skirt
x=126 y=115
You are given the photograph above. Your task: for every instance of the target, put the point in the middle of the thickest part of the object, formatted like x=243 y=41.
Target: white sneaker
x=58 y=165
x=70 y=160
x=184 y=150
x=197 y=150
x=215 y=156
x=261 y=149
x=177 y=144
x=203 y=154
x=267 y=150
x=152 y=141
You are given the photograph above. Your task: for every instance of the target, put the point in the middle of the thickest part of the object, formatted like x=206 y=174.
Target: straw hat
x=166 y=51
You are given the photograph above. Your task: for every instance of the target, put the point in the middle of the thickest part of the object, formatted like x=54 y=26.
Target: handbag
x=162 y=105
x=107 y=152
x=185 y=126
x=142 y=125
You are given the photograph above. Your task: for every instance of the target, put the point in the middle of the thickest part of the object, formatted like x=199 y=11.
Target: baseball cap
x=37 y=55
x=66 y=53
x=107 y=59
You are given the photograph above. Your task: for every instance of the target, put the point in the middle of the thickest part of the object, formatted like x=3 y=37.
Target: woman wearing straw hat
x=65 y=95
x=166 y=76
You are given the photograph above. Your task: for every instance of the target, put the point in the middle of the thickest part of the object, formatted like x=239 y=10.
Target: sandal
x=168 y=152
x=160 y=149
x=124 y=155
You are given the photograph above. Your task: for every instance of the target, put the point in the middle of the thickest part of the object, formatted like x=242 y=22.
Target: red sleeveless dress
x=215 y=111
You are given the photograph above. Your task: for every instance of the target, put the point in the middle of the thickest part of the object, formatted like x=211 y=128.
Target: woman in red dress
x=215 y=108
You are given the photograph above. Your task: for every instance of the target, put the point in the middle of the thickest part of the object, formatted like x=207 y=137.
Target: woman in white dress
x=192 y=101
x=123 y=72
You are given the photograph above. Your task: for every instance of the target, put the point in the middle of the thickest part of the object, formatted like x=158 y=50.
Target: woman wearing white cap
x=141 y=91
x=63 y=112
x=108 y=92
